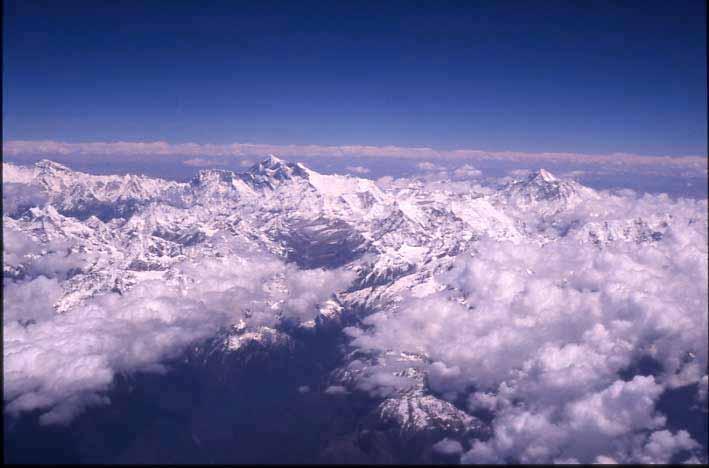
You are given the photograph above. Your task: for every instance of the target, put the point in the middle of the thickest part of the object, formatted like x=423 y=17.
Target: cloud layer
x=547 y=338
x=196 y=150
x=60 y=362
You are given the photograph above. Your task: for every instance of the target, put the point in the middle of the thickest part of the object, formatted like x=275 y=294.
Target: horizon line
x=164 y=148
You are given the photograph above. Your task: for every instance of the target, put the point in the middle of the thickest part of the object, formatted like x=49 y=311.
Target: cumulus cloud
x=467 y=171
x=385 y=182
x=31 y=300
x=358 y=169
x=336 y=390
x=544 y=335
x=695 y=164
x=429 y=166
x=60 y=362
x=52 y=259
x=448 y=447
x=18 y=197
x=17 y=246
x=661 y=445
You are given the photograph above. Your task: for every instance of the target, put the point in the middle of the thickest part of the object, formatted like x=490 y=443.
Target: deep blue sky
x=581 y=76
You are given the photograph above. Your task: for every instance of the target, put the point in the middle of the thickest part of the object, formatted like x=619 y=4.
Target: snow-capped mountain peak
x=273 y=170
x=543 y=175
x=272 y=160
x=540 y=178
x=210 y=176
x=542 y=189
x=47 y=166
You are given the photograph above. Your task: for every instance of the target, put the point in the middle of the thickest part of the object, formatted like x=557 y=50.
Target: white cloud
x=16 y=245
x=467 y=171
x=697 y=165
x=661 y=445
x=307 y=288
x=336 y=390
x=541 y=334
x=618 y=409
x=429 y=166
x=30 y=300
x=358 y=169
x=64 y=361
x=16 y=197
x=53 y=259
x=611 y=421
x=448 y=447
x=385 y=182
x=604 y=460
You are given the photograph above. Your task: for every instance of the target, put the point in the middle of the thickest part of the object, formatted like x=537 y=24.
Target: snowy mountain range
x=140 y=227
x=107 y=238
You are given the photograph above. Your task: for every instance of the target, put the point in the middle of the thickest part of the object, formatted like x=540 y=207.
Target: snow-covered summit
x=544 y=193
x=272 y=170
x=544 y=175
x=542 y=185
x=47 y=166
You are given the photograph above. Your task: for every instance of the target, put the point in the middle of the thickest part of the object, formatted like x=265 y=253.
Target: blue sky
x=582 y=76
